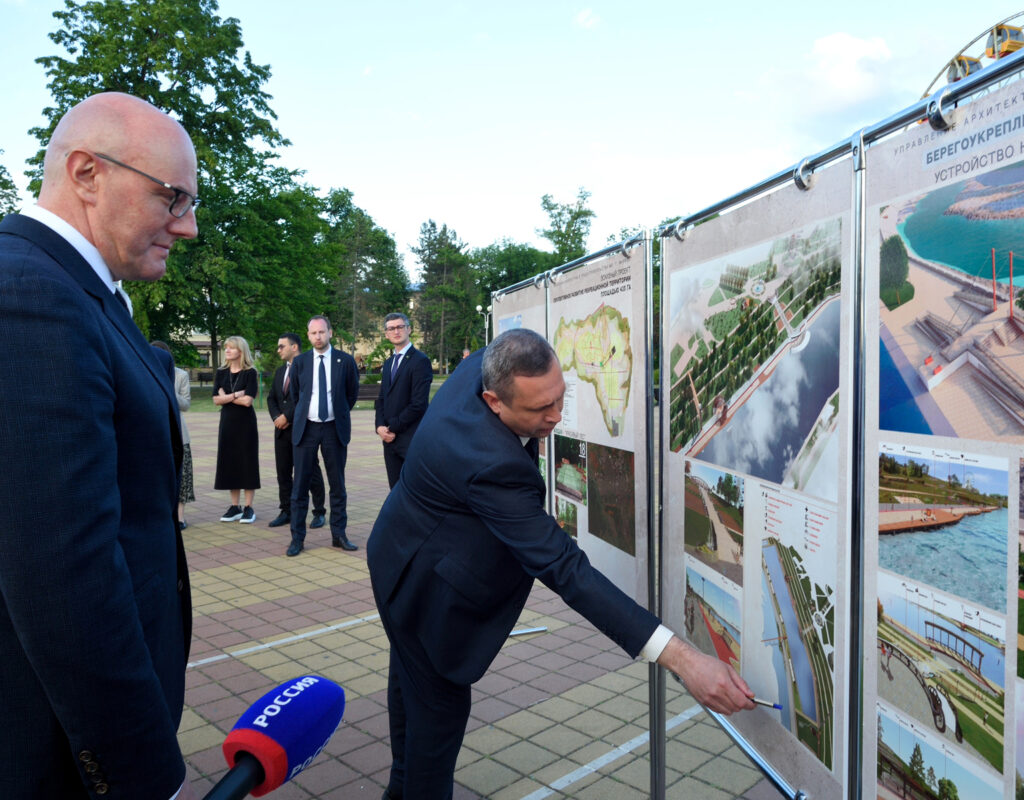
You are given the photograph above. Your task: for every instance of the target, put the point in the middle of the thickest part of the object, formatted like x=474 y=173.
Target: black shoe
x=318 y=520
x=342 y=542
x=233 y=514
x=294 y=548
x=248 y=516
x=388 y=796
x=281 y=519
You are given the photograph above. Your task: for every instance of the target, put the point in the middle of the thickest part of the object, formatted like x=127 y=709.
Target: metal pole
x=858 y=476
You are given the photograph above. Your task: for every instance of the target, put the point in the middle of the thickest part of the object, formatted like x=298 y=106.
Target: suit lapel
x=71 y=261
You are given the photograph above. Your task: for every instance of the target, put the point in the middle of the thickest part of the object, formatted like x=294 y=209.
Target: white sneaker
x=233 y=513
x=248 y=516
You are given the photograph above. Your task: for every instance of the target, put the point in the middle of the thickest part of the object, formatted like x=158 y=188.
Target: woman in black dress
x=238 y=469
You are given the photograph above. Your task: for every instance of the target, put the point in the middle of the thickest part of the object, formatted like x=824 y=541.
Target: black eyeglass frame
x=193 y=201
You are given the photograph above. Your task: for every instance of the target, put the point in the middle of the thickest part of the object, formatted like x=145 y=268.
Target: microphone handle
x=240 y=780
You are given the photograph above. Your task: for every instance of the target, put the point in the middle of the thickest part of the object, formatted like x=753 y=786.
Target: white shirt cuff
x=175 y=795
x=656 y=644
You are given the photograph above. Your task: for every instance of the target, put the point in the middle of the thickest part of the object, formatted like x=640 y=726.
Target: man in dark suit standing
x=324 y=389
x=95 y=613
x=282 y=411
x=456 y=549
x=404 y=394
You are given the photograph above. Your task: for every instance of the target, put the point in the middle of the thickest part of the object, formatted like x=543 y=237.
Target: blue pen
x=765 y=703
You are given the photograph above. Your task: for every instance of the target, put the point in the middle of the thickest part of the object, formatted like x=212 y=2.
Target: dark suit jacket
x=279 y=403
x=344 y=391
x=401 y=404
x=95 y=617
x=463 y=534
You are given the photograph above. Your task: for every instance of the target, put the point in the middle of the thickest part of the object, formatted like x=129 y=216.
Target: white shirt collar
x=65 y=230
x=404 y=349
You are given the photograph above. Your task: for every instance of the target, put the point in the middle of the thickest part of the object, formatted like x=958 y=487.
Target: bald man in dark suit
x=95 y=615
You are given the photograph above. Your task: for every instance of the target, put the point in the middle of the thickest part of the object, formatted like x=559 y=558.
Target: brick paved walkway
x=561 y=714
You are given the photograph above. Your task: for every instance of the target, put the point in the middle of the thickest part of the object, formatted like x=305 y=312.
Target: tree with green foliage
x=182 y=57
x=948 y=790
x=568 y=226
x=917 y=764
x=449 y=294
x=9 y=201
x=370 y=280
x=894 y=264
x=505 y=263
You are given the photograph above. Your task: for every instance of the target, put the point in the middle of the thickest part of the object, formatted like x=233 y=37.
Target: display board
x=945 y=358
x=597 y=325
x=755 y=329
x=525 y=306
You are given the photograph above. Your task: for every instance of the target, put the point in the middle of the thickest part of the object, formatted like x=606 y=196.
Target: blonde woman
x=238 y=469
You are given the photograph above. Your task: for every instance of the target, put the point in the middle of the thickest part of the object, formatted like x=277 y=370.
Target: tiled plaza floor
x=561 y=714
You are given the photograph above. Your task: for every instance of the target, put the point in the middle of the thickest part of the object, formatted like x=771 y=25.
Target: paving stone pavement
x=561 y=714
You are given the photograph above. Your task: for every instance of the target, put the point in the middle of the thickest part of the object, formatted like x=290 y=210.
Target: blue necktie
x=323 y=391
x=394 y=366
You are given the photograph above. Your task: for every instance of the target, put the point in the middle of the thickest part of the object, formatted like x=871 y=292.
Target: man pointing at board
x=457 y=546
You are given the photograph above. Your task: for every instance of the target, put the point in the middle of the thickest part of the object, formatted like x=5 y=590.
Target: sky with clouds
x=467 y=112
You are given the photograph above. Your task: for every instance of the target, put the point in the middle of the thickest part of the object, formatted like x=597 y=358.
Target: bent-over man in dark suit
x=404 y=394
x=95 y=615
x=324 y=390
x=456 y=549
x=282 y=411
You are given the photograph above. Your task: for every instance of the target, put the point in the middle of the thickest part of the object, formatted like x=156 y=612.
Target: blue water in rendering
x=797 y=651
x=897 y=410
x=914 y=617
x=766 y=433
x=966 y=244
x=771 y=636
x=967 y=559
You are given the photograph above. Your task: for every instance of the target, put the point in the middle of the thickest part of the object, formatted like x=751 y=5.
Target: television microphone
x=279 y=736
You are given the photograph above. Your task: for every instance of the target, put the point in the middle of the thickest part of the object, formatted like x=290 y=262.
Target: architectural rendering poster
x=596 y=323
x=524 y=308
x=754 y=321
x=945 y=360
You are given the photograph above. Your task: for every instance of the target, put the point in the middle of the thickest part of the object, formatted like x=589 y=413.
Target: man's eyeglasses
x=182 y=201
x=394 y=328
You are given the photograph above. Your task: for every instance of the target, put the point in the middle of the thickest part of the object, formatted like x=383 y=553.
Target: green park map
x=597 y=347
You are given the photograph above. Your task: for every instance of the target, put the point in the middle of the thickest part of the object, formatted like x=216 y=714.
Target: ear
x=80 y=171
x=492 y=400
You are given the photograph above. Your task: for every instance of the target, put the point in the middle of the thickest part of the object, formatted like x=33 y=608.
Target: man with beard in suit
x=324 y=389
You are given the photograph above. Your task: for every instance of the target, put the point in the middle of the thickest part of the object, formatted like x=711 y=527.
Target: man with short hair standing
x=324 y=389
x=95 y=611
x=282 y=410
x=456 y=549
x=404 y=394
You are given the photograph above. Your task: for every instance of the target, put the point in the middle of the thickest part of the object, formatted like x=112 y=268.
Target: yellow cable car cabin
x=962 y=66
x=1003 y=40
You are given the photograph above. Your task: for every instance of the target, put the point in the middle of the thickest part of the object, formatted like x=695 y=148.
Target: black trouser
x=322 y=437
x=285 y=461
x=427 y=716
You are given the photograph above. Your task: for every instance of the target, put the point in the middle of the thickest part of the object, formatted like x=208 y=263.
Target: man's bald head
x=123 y=213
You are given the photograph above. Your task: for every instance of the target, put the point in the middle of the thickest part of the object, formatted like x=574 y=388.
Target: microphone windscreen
x=287 y=728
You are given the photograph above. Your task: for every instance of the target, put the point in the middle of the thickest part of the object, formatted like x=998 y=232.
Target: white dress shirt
x=314 y=396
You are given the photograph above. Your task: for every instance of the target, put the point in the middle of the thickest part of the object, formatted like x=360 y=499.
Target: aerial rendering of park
x=612 y=496
x=754 y=359
x=799 y=620
x=951 y=355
